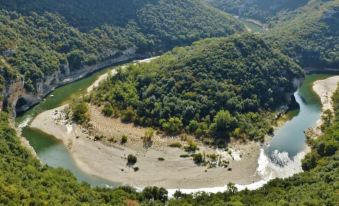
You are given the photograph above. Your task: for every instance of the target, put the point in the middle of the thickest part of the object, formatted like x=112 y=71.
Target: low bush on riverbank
x=79 y=111
x=131 y=159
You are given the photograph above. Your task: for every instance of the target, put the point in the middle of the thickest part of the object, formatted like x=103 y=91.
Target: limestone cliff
x=17 y=99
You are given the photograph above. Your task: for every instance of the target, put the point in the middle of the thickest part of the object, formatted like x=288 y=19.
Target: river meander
x=287 y=143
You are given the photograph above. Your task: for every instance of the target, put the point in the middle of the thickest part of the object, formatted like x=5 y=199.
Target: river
x=287 y=143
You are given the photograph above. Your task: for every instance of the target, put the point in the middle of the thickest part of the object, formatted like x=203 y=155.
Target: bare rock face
x=17 y=99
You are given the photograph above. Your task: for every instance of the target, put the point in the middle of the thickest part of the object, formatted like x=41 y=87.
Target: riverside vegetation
x=38 y=38
x=24 y=180
x=210 y=89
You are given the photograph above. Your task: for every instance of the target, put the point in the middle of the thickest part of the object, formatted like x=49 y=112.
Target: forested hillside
x=262 y=10
x=310 y=35
x=318 y=185
x=216 y=87
x=24 y=181
x=38 y=38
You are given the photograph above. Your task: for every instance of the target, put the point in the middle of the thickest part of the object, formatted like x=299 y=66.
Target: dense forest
x=215 y=89
x=24 y=181
x=310 y=35
x=38 y=38
x=212 y=88
x=262 y=10
x=307 y=31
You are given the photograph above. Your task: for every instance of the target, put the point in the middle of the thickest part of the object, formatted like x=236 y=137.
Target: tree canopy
x=40 y=38
x=242 y=75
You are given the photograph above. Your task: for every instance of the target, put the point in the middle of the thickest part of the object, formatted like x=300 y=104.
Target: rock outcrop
x=17 y=99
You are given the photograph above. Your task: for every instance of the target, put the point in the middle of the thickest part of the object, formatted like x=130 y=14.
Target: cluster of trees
x=316 y=186
x=24 y=181
x=39 y=38
x=216 y=87
x=262 y=10
x=79 y=111
x=305 y=30
x=328 y=144
x=310 y=35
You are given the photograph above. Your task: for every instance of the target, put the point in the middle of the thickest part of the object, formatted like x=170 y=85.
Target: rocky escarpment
x=17 y=99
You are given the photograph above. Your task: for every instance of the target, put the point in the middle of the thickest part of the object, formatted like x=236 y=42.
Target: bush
x=155 y=193
x=309 y=162
x=222 y=124
x=107 y=110
x=161 y=159
x=193 y=126
x=173 y=126
x=98 y=137
x=175 y=144
x=184 y=155
x=131 y=159
x=124 y=139
x=149 y=133
x=192 y=146
x=128 y=115
x=198 y=158
x=80 y=112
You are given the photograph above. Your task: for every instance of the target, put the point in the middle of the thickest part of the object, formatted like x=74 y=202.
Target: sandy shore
x=108 y=160
x=114 y=71
x=324 y=89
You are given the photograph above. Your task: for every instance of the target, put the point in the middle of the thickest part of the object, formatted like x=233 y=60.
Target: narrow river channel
x=288 y=141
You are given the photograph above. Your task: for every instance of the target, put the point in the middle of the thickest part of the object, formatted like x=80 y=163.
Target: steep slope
x=192 y=86
x=262 y=10
x=49 y=41
x=310 y=35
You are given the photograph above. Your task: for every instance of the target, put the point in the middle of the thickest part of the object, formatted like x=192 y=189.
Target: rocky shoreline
x=18 y=99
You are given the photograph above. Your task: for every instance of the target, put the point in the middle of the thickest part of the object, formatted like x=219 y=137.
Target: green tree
x=222 y=124
x=131 y=159
x=173 y=126
x=107 y=110
x=75 y=59
x=80 y=111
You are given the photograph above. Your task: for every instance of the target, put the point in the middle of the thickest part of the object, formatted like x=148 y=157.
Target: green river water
x=288 y=138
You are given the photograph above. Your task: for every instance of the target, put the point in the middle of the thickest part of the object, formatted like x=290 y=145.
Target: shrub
x=155 y=193
x=131 y=159
x=98 y=137
x=184 y=155
x=128 y=115
x=193 y=126
x=192 y=146
x=80 y=112
x=124 y=139
x=309 y=162
x=149 y=133
x=107 y=110
x=173 y=126
x=161 y=159
x=175 y=144
x=198 y=158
